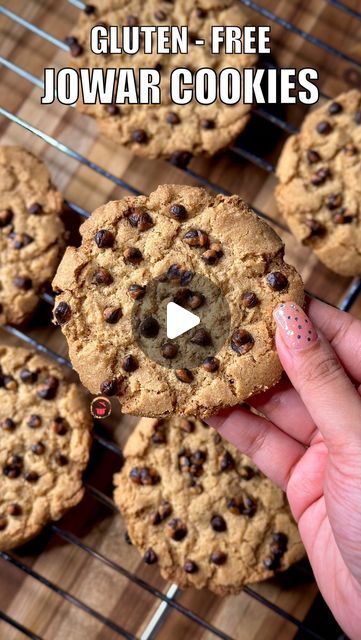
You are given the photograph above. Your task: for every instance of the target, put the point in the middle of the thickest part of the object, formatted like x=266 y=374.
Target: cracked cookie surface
x=176 y=230
x=31 y=232
x=45 y=428
x=166 y=129
x=201 y=510
x=319 y=190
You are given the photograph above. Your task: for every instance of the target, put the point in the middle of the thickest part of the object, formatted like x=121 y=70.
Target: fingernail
x=295 y=326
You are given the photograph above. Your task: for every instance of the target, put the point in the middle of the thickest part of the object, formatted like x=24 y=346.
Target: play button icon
x=179 y=320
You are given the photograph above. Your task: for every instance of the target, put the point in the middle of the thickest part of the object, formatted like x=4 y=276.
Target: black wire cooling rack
x=168 y=600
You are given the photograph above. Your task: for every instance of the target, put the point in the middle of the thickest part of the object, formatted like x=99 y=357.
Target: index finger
x=343 y=331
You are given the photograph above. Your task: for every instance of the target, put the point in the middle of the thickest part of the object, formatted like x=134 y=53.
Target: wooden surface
x=90 y=580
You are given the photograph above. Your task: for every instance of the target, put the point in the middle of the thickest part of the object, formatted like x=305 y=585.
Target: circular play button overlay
x=181 y=320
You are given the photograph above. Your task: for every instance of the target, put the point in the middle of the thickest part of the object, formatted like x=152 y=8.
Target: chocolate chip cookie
x=175 y=234
x=31 y=232
x=165 y=130
x=319 y=190
x=45 y=438
x=201 y=510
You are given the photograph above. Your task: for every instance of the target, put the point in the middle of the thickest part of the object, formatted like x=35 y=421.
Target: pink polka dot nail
x=297 y=329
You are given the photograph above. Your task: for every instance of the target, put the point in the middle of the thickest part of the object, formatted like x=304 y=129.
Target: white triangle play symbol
x=179 y=320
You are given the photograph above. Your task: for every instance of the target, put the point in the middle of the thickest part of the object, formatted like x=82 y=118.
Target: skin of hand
x=309 y=443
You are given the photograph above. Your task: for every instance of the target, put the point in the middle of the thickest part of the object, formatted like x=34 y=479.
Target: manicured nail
x=296 y=328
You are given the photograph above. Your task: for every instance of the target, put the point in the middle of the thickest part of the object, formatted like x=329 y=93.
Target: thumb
x=317 y=375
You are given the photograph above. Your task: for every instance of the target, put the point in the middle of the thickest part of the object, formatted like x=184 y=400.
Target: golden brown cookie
x=319 y=190
x=45 y=438
x=176 y=234
x=201 y=510
x=31 y=232
x=165 y=130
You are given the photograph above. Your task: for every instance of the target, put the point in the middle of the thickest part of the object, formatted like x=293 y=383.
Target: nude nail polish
x=295 y=326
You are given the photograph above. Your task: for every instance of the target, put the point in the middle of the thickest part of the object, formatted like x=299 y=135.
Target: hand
x=309 y=443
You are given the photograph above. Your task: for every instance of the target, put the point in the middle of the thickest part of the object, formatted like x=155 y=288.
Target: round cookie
x=31 y=232
x=201 y=510
x=45 y=438
x=319 y=190
x=166 y=129
x=175 y=230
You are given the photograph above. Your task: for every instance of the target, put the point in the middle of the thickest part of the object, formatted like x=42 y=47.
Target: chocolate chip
x=176 y=529
x=249 y=299
x=246 y=472
x=75 y=47
x=136 y=291
x=129 y=363
x=324 y=128
x=350 y=149
x=34 y=422
x=357 y=118
x=241 y=341
x=316 y=228
x=181 y=159
x=149 y=328
x=60 y=459
x=201 y=337
x=150 y=557
x=178 y=212
x=28 y=377
x=62 y=313
x=140 y=136
x=31 y=476
x=165 y=509
x=103 y=276
x=210 y=256
x=139 y=218
x=59 y=426
x=242 y=505
x=14 y=509
x=181 y=296
x=25 y=284
x=13 y=467
x=172 y=118
x=21 y=240
x=3 y=523
x=186 y=425
x=341 y=217
x=184 y=375
x=49 y=388
x=333 y=201
x=280 y=538
x=9 y=383
x=144 y=476
x=271 y=562
x=277 y=281
x=132 y=21
x=104 y=239
x=195 y=300
x=89 y=9
x=35 y=209
x=190 y=566
x=196 y=238
x=8 y=424
x=132 y=255
x=112 y=315
x=313 y=156
x=210 y=364
x=192 y=37
x=334 y=108
x=38 y=448
x=169 y=350
x=205 y=123
x=218 y=524
x=6 y=216
x=127 y=538
x=218 y=557
x=227 y=462
x=110 y=387
x=112 y=109
x=160 y=16
x=200 y=13
x=320 y=176
x=174 y=272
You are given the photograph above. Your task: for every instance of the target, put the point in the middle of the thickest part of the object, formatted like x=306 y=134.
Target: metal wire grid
x=168 y=600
